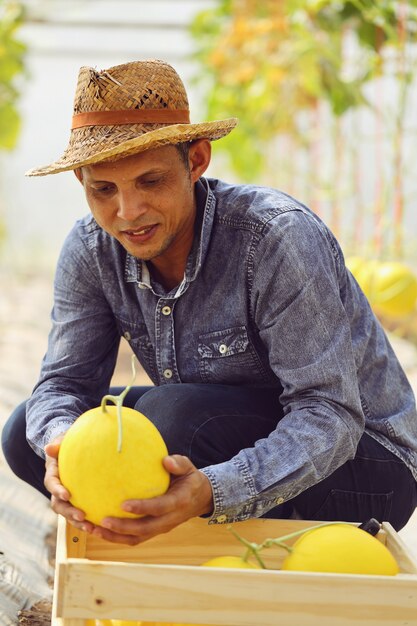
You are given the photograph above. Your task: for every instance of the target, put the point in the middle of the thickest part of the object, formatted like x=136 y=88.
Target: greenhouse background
x=325 y=92
x=326 y=95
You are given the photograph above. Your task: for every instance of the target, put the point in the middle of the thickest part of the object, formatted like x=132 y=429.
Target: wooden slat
x=76 y=541
x=139 y=583
x=399 y=550
x=195 y=542
x=244 y=597
x=61 y=557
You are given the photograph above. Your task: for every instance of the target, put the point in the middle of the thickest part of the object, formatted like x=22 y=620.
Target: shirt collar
x=137 y=271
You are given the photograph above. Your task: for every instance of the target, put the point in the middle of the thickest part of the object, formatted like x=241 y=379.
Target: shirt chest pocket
x=228 y=357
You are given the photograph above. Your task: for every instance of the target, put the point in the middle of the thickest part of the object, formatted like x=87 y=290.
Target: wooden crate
x=160 y=580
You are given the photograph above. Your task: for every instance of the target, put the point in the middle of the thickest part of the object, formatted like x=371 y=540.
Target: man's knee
x=13 y=436
x=175 y=410
x=169 y=399
x=166 y=404
x=22 y=460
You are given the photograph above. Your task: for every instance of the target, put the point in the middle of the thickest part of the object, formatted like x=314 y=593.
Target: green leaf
x=12 y=55
x=297 y=49
x=9 y=126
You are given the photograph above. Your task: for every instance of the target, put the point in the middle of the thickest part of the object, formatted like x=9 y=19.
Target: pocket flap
x=222 y=343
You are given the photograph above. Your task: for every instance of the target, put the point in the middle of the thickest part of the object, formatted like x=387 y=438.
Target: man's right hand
x=60 y=497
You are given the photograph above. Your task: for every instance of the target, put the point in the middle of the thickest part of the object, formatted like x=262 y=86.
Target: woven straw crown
x=127 y=109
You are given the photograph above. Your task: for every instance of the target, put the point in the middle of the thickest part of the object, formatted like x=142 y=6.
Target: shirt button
x=279 y=500
x=168 y=373
x=166 y=310
x=127 y=336
x=222 y=348
x=221 y=519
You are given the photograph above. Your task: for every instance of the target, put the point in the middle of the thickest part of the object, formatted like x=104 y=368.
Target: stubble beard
x=150 y=255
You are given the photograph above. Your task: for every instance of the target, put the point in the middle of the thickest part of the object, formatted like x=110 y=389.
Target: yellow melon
x=99 y=475
x=340 y=548
x=394 y=289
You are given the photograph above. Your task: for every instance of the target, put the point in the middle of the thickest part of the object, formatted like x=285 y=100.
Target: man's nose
x=130 y=205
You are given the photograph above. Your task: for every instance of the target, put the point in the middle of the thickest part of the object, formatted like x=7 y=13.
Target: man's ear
x=79 y=174
x=199 y=157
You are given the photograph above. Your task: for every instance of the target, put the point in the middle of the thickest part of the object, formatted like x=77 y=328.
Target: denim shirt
x=266 y=301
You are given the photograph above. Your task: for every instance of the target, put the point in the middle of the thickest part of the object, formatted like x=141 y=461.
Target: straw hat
x=127 y=109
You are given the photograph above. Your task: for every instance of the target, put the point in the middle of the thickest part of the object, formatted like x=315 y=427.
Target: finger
x=160 y=505
x=52 y=481
x=108 y=535
x=74 y=516
x=134 y=531
x=52 y=450
x=133 y=525
x=178 y=465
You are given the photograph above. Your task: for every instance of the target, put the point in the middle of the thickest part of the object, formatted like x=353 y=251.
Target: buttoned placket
x=163 y=313
x=165 y=341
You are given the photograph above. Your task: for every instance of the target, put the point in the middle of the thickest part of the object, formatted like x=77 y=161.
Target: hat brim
x=165 y=135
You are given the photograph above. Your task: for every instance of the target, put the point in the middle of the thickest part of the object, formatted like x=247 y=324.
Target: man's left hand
x=189 y=495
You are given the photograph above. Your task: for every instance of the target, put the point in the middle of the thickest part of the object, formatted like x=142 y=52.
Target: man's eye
x=105 y=189
x=151 y=180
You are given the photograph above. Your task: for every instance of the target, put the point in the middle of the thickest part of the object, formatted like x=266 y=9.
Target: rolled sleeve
x=301 y=319
x=233 y=492
x=82 y=348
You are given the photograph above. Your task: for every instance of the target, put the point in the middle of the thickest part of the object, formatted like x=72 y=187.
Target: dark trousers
x=212 y=423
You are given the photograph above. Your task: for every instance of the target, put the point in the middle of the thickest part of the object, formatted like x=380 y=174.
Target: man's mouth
x=140 y=235
x=142 y=231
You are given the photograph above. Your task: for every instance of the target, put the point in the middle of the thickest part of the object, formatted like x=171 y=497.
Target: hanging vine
x=267 y=62
x=12 y=54
x=322 y=90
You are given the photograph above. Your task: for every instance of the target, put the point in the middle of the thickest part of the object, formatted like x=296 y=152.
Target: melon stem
x=254 y=549
x=118 y=401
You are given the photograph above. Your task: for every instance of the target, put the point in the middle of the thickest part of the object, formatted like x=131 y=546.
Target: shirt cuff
x=234 y=495
x=59 y=426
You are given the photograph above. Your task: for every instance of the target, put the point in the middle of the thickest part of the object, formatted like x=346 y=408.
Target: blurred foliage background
x=295 y=73
x=12 y=54
x=324 y=93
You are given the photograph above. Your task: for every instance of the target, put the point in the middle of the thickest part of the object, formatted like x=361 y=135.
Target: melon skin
x=394 y=289
x=390 y=286
x=98 y=476
x=343 y=549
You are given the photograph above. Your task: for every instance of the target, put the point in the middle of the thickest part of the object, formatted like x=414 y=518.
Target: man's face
x=146 y=201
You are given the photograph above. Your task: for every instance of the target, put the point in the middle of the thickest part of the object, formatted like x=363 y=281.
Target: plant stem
x=252 y=548
x=118 y=401
x=255 y=548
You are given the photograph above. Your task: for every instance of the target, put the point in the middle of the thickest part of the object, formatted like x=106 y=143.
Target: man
x=276 y=389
